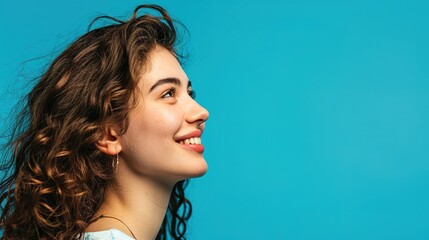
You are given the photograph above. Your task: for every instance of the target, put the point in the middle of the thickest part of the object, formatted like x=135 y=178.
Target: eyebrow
x=172 y=80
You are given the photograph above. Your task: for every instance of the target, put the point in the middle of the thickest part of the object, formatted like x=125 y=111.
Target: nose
x=197 y=113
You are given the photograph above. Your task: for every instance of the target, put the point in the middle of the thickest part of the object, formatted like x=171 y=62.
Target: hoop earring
x=115 y=163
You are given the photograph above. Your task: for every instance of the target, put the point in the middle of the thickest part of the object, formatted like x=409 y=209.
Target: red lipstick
x=196 y=133
x=194 y=147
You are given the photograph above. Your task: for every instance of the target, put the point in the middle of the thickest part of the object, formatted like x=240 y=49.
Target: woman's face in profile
x=164 y=134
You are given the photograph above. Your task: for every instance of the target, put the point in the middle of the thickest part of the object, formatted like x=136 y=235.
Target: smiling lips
x=192 y=141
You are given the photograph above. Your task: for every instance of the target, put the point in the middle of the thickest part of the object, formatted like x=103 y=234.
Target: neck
x=141 y=203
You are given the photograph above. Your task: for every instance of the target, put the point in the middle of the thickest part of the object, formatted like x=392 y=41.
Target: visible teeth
x=193 y=140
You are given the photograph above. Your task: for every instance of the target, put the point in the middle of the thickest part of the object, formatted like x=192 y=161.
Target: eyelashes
x=192 y=94
x=172 y=93
x=169 y=93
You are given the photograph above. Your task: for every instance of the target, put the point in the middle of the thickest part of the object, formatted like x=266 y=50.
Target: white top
x=112 y=234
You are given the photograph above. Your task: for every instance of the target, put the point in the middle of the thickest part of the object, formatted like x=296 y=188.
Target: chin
x=202 y=172
x=202 y=169
x=197 y=170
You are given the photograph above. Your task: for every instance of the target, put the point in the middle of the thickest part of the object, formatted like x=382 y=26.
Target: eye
x=169 y=93
x=192 y=94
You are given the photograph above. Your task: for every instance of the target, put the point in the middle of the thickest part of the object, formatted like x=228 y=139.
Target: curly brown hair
x=55 y=176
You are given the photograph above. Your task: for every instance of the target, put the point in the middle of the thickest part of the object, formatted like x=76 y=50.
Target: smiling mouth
x=193 y=143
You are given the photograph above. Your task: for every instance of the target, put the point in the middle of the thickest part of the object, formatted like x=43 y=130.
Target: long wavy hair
x=54 y=175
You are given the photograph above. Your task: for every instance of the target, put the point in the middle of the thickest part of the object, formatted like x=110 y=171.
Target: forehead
x=162 y=64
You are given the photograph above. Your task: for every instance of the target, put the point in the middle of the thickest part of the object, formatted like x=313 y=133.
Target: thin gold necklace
x=107 y=216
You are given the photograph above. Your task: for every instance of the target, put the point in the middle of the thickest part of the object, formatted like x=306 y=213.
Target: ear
x=109 y=142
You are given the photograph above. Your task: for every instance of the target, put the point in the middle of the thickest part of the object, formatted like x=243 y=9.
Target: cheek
x=166 y=122
x=148 y=140
x=152 y=127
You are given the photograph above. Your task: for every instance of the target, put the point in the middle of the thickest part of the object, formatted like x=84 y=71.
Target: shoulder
x=112 y=234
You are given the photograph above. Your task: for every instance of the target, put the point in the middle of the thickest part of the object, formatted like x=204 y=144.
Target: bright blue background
x=319 y=109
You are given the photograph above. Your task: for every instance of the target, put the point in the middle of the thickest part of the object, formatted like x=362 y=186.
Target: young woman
x=106 y=140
